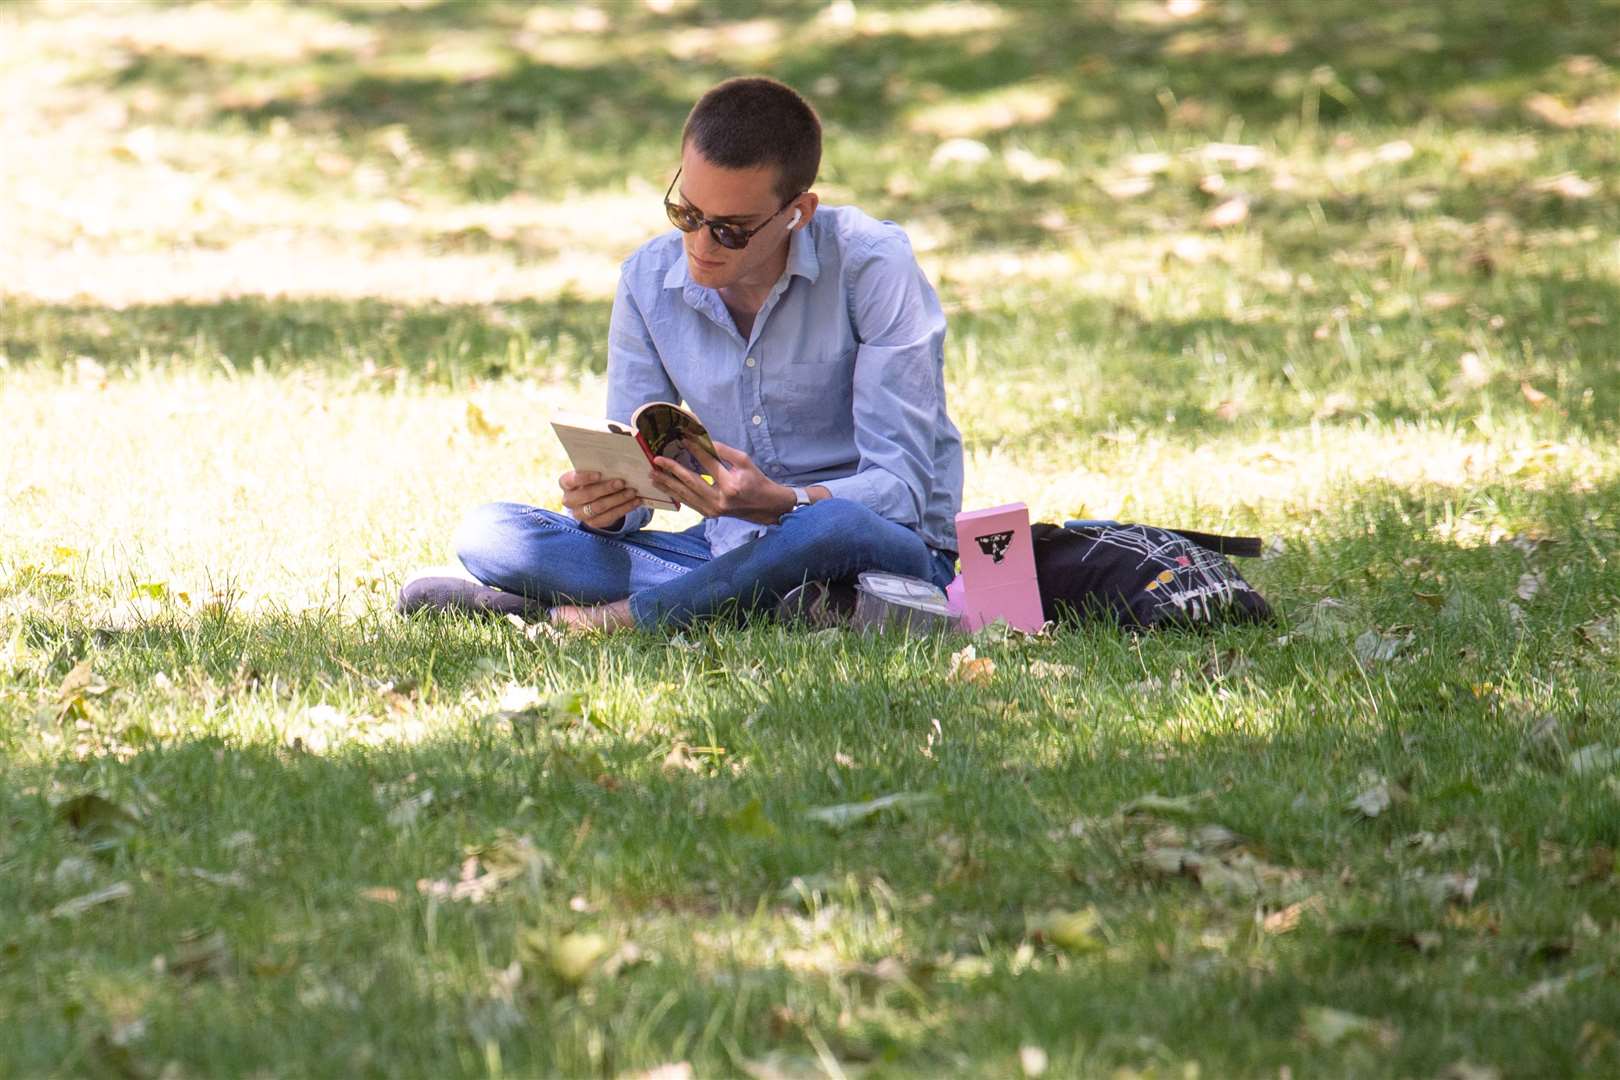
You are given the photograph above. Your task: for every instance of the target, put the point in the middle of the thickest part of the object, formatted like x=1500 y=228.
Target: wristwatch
x=801 y=497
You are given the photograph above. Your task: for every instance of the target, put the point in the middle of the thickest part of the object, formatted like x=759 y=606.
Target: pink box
x=998 y=568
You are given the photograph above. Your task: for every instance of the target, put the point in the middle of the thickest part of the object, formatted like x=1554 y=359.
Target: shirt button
x=758 y=419
x=752 y=361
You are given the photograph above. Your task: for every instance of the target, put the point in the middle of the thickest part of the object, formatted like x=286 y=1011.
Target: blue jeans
x=670 y=577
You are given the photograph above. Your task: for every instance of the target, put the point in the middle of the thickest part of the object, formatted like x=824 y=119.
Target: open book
x=617 y=451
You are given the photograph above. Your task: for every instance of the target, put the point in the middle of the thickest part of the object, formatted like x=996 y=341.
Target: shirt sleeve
x=899 y=382
x=635 y=377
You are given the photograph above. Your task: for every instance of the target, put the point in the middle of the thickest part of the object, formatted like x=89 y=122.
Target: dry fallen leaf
x=1372 y=647
x=1238 y=157
x=1147 y=164
x=1286 y=919
x=1471 y=371
x=1454 y=887
x=1535 y=398
x=1327 y=620
x=479 y=424
x=844 y=815
x=1529 y=585
x=1377 y=796
x=1072 y=931
x=201 y=957
x=488 y=868
x=1232 y=212
x=1566 y=186
x=1602 y=633
x=72 y=909
x=1126 y=187
x=1329 y=1028
x=967 y=666
x=1547 y=989
x=1164 y=806
x=1595 y=758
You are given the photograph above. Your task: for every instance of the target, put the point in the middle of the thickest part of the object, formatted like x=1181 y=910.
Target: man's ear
x=805 y=205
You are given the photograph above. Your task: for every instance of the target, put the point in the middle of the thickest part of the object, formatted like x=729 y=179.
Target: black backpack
x=1143 y=577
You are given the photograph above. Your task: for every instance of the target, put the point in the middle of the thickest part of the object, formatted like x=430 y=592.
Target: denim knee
x=853 y=524
x=480 y=532
x=866 y=538
x=491 y=535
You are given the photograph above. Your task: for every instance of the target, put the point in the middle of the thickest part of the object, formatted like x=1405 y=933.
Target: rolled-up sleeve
x=635 y=377
x=899 y=382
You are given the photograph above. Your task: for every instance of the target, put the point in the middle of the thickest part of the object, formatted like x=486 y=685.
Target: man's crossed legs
x=670 y=578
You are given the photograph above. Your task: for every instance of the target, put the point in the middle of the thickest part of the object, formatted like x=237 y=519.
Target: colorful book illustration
x=998 y=568
x=626 y=452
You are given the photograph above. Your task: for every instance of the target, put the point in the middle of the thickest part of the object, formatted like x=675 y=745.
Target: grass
x=264 y=258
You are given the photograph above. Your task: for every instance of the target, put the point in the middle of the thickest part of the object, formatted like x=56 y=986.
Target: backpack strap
x=1245 y=547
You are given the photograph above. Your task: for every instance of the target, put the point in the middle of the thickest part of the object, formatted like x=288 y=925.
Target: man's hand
x=740 y=491
x=597 y=502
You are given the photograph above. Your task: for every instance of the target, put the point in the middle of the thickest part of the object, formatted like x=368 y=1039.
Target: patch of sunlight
x=291 y=490
x=1019 y=105
x=323 y=729
x=551 y=20
x=920 y=21
x=993 y=268
x=751 y=40
x=241 y=32
x=1161 y=12
x=453 y=56
x=570 y=50
x=1293 y=475
x=602 y=221
x=277 y=265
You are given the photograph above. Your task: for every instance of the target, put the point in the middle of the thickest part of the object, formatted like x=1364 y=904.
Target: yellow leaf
x=76 y=682
x=1073 y=931
x=967 y=666
x=479 y=424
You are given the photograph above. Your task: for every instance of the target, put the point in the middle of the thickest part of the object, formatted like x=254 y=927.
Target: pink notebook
x=998 y=568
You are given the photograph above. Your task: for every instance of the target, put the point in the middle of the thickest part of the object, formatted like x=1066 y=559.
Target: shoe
x=819 y=604
x=431 y=593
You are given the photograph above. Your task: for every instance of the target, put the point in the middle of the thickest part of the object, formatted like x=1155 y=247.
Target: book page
x=614 y=456
x=670 y=431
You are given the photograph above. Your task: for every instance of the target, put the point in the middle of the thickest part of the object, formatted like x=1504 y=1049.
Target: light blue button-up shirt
x=841 y=383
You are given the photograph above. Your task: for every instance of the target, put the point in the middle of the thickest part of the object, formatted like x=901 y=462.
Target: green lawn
x=286 y=288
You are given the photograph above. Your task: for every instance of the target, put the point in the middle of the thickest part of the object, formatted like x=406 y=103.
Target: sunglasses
x=727 y=235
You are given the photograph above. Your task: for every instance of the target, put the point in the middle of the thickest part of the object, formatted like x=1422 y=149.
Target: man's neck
x=745 y=297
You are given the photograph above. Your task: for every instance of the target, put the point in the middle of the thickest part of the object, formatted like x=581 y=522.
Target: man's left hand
x=740 y=491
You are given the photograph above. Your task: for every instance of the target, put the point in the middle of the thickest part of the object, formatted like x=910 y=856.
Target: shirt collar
x=802 y=260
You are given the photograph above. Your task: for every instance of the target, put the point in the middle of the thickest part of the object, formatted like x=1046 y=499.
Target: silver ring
x=588 y=510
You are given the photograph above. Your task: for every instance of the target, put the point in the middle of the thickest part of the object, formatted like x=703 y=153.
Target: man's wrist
x=785 y=500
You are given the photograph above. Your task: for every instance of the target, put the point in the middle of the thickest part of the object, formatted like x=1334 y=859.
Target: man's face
x=744 y=197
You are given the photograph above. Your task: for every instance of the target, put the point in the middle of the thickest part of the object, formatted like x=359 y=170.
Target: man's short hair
x=748 y=122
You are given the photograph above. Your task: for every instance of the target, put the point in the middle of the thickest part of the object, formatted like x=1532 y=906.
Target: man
x=808 y=341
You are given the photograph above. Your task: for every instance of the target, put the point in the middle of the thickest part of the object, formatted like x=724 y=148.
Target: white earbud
x=797 y=214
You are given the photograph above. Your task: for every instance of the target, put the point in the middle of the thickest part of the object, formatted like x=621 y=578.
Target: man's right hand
x=597 y=502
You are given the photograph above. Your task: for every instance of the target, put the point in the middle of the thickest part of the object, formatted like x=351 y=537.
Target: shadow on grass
x=440 y=343
x=1260 y=66
x=669 y=853
x=1136 y=370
